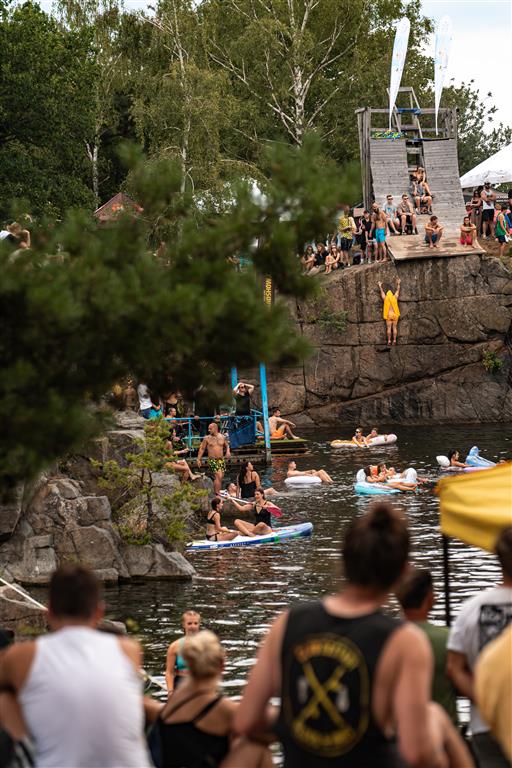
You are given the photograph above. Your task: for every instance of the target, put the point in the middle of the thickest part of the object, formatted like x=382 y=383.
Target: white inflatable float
x=379 y=440
x=284 y=534
x=445 y=466
x=475 y=460
x=303 y=480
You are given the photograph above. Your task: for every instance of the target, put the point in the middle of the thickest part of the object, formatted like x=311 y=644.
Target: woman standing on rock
x=176 y=667
x=390 y=312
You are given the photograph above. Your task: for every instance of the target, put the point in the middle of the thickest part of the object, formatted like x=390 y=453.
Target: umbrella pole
x=446 y=569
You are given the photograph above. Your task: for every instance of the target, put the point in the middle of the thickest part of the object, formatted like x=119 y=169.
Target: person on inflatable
x=453 y=458
x=321 y=473
x=403 y=481
x=359 y=438
x=262 y=515
x=390 y=311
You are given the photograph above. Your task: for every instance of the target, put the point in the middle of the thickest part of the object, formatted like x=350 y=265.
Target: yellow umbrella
x=476 y=506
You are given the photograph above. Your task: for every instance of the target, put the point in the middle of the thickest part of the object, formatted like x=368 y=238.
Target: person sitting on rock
x=180 y=466
x=433 y=232
x=321 y=473
x=467 y=232
x=390 y=312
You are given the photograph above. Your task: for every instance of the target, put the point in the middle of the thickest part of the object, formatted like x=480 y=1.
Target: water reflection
x=239 y=591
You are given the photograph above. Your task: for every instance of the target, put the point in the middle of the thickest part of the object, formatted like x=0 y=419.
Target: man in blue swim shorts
x=433 y=232
x=379 y=224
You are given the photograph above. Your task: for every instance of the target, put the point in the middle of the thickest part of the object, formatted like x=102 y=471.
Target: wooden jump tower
x=387 y=162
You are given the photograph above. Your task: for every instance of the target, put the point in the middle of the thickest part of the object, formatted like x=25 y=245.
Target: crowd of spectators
x=489 y=217
x=356 y=685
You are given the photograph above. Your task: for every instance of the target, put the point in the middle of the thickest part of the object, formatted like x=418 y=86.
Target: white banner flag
x=398 y=61
x=443 y=45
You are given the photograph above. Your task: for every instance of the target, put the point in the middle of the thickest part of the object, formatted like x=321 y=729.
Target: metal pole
x=234 y=377
x=446 y=569
x=264 y=408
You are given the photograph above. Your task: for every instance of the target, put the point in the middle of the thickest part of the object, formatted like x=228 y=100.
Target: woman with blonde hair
x=194 y=727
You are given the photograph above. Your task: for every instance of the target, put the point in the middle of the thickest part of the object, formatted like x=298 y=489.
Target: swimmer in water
x=176 y=668
x=359 y=438
x=453 y=458
x=321 y=473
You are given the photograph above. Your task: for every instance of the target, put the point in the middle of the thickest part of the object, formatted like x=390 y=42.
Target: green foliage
x=45 y=111
x=137 y=503
x=335 y=321
x=87 y=306
x=491 y=362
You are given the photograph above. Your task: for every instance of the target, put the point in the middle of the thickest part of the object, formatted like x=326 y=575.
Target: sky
x=482 y=39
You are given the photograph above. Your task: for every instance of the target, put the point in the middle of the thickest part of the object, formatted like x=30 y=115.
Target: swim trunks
x=434 y=238
x=216 y=465
x=279 y=433
x=380 y=235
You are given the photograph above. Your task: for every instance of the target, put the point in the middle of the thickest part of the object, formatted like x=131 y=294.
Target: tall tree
x=45 y=111
x=89 y=305
x=103 y=22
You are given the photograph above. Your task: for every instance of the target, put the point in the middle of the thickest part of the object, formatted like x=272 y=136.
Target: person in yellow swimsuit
x=390 y=312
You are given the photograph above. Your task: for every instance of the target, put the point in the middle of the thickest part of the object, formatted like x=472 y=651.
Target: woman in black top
x=354 y=683
x=262 y=520
x=243 y=394
x=248 y=480
x=193 y=728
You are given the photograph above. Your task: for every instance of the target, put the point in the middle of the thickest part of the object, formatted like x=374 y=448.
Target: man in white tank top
x=79 y=688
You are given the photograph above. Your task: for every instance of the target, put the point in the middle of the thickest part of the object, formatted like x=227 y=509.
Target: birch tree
x=102 y=18
x=286 y=50
x=180 y=104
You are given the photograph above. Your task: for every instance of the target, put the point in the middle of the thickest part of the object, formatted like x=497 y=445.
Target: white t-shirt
x=480 y=620
x=488 y=205
x=144 y=397
x=361 y=477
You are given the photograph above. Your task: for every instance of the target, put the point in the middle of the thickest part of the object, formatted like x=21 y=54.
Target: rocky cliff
x=453 y=310
x=65 y=517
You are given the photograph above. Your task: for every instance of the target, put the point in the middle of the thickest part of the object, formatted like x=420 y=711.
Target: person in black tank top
x=248 y=480
x=354 y=683
x=262 y=519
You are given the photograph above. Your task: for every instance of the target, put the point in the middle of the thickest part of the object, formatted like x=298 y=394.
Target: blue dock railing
x=240 y=430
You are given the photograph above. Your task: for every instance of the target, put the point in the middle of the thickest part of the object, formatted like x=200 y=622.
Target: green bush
x=491 y=362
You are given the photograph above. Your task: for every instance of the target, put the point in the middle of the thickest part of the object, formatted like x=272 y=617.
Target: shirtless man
x=280 y=427
x=433 y=232
x=217 y=450
x=321 y=473
x=378 y=231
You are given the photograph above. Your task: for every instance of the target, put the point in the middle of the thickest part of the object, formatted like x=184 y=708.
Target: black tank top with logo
x=328 y=669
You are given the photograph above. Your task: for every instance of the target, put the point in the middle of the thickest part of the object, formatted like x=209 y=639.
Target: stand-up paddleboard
x=379 y=440
x=286 y=533
x=303 y=480
x=374 y=489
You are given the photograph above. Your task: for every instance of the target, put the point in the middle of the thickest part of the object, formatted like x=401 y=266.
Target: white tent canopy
x=496 y=169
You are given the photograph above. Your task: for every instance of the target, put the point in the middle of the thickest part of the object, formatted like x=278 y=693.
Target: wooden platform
x=390 y=176
x=407 y=247
x=442 y=169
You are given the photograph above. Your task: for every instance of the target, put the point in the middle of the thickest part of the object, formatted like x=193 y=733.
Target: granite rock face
x=65 y=517
x=453 y=310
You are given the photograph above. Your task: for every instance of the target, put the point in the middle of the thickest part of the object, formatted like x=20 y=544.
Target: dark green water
x=239 y=591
